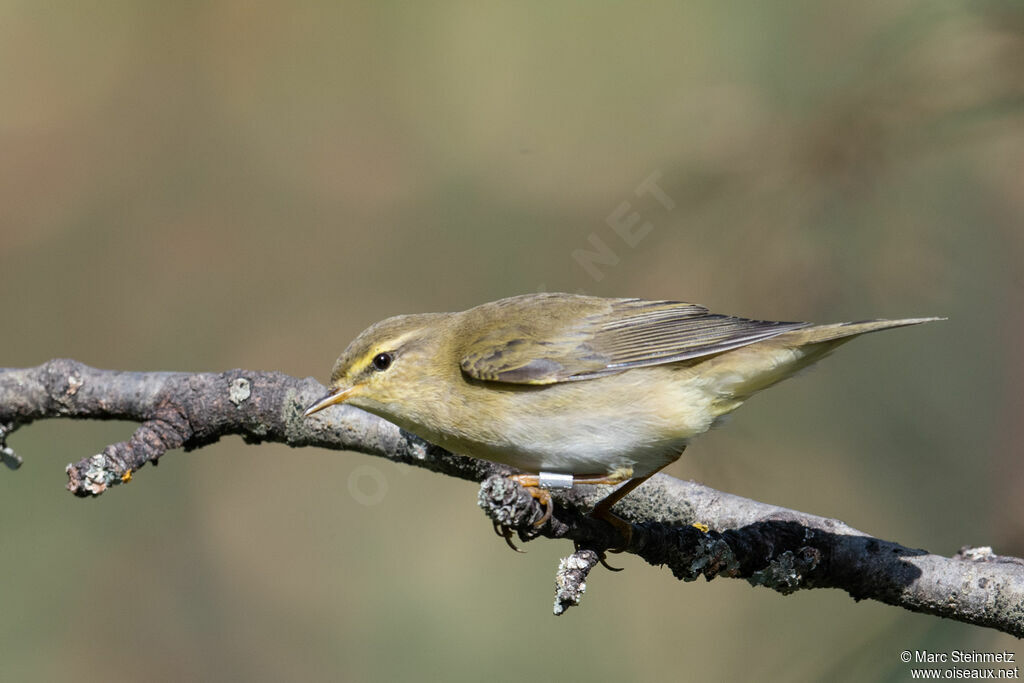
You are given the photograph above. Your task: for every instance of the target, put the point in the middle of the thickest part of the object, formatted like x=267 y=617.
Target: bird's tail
x=843 y=332
x=736 y=375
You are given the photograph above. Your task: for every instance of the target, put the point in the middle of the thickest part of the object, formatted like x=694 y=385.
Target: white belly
x=597 y=426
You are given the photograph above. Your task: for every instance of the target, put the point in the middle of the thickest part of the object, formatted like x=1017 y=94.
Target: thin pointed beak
x=339 y=396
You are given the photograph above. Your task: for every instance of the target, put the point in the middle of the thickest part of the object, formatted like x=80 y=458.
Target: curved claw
x=543 y=496
x=531 y=482
x=602 y=557
x=506 y=533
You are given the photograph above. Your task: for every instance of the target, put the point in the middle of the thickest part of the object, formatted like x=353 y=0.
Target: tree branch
x=694 y=530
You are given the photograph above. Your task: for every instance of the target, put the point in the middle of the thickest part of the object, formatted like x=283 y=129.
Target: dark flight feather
x=564 y=337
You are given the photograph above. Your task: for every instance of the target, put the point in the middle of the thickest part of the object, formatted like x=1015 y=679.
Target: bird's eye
x=382 y=361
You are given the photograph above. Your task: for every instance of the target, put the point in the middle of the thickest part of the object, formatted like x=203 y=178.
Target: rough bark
x=692 y=529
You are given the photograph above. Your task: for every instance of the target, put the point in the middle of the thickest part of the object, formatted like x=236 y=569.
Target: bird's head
x=388 y=365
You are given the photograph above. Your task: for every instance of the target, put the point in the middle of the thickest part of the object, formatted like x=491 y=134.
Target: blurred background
x=205 y=186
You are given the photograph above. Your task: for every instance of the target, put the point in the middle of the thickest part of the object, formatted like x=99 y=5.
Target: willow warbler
x=573 y=389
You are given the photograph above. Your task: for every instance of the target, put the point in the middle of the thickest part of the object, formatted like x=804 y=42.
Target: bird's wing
x=573 y=338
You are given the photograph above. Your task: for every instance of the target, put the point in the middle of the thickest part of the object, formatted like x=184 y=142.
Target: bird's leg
x=616 y=477
x=538 y=485
x=603 y=510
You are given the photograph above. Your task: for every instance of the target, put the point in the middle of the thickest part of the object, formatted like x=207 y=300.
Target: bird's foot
x=531 y=483
x=505 y=532
x=602 y=557
x=624 y=528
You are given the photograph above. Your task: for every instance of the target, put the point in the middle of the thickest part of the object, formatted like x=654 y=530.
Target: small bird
x=574 y=389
